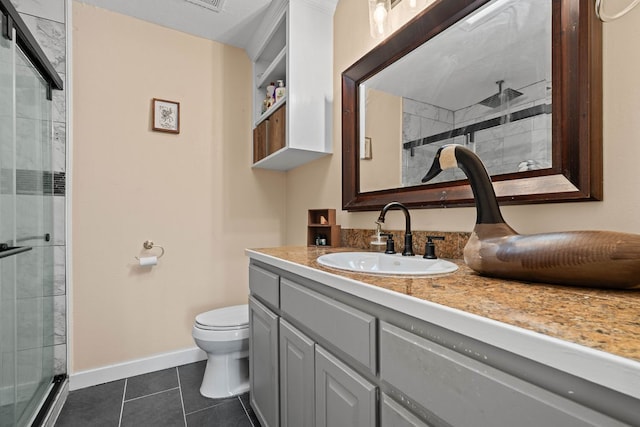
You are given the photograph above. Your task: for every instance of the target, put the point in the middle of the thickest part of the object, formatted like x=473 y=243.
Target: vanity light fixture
x=379 y=24
x=485 y=13
x=381 y=21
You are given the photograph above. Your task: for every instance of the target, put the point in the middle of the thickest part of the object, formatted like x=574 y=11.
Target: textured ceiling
x=232 y=26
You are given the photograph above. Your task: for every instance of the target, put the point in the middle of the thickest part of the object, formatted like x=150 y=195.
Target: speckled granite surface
x=606 y=320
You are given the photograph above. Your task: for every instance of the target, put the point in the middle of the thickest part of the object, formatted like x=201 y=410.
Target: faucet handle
x=430 y=247
x=391 y=248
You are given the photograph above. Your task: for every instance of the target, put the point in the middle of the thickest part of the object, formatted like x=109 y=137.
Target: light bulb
x=379 y=17
x=413 y=4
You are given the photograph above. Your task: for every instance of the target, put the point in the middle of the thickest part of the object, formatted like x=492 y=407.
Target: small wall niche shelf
x=293 y=43
x=321 y=224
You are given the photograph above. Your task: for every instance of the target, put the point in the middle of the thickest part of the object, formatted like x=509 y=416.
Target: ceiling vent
x=215 y=5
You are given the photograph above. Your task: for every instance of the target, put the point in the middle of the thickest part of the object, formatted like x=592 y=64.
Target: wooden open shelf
x=322 y=222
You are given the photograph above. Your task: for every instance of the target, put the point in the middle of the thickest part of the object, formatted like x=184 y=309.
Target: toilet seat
x=224 y=319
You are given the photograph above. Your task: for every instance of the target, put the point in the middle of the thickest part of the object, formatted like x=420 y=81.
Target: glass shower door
x=34 y=223
x=26 y=218
x=7 y=232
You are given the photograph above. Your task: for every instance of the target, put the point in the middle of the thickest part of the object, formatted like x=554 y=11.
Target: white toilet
x=224 y=335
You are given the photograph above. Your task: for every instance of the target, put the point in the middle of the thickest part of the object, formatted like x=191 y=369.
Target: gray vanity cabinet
x=297 y=380
x=263 y=363
x=343 y=397
x=294 y=381
x=324 y=358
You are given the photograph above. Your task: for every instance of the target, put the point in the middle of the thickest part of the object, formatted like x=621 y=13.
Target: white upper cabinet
x=294 y=43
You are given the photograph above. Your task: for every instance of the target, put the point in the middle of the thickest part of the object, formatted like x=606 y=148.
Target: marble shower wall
x=515 y=146
x=418 y=121
x=46 y=21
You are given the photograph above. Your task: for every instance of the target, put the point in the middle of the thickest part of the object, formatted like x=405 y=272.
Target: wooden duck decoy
x=599 y=259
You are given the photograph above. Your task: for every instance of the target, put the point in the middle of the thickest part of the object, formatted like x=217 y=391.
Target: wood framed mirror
x=574 y=110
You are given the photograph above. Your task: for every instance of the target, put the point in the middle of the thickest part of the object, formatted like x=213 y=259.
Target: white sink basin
x=380 y=263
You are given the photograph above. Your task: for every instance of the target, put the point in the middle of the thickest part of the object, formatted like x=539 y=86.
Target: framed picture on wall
x=166 y=116
x=367 y=154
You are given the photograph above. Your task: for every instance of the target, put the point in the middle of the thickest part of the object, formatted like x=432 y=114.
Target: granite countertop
x=606 y=320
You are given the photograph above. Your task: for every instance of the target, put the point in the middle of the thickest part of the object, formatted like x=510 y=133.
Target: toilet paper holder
x=148 y=244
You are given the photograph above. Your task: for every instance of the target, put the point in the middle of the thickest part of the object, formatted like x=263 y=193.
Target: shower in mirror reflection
x=484 y=82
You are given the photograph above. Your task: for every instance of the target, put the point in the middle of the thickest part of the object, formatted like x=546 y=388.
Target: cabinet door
x=263 y=363
x=260 y=141
x=343 y=397
x=394 y=415
x=297 y=385
x=276 y=132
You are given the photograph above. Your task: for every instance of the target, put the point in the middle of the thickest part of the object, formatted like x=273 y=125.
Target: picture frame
x=367 y=154
x=166 y=116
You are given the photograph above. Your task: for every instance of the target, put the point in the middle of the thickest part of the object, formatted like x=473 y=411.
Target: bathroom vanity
x=333 y=348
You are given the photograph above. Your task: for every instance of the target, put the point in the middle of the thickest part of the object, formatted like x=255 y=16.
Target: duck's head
x=445 y=159
x=454 y=155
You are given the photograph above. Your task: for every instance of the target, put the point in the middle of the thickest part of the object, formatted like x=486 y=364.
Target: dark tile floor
x=170 y=397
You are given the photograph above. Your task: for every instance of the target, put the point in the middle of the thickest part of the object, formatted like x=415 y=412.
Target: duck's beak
x=434 y=170
x=445 y=159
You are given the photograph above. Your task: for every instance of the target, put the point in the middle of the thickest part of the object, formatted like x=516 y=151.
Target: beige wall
x=383 y=124
x=194 y=193
x=619 y=211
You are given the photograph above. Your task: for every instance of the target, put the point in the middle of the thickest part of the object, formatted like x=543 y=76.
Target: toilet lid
x=234 y=317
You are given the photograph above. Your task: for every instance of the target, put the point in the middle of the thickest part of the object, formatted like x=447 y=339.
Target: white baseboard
x=132 y=368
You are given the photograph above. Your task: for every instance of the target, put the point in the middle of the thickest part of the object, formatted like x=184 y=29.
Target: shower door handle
x=7 y=251
x=46 y=238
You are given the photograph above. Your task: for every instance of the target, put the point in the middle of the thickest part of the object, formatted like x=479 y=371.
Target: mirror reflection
x=484 y=82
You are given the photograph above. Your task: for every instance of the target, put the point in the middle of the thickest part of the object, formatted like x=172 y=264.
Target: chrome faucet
x=408 y=238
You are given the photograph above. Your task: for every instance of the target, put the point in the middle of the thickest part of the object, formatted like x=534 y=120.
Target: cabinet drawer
x=464 y=392
x=348 y=329
x=265 y=285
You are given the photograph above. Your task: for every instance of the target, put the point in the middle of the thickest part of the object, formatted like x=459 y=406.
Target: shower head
x=501 y=97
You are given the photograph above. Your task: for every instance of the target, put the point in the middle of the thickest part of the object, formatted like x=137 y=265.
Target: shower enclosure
x=26 y=220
